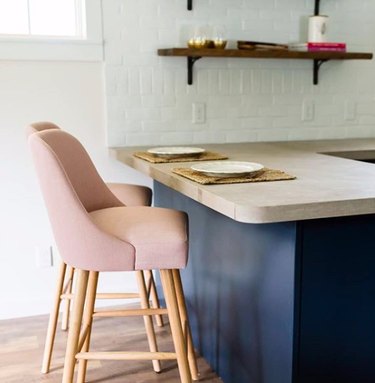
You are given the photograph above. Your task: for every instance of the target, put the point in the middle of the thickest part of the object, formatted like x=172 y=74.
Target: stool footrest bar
x=130 y=313
x=130 y=355
x=107 y=296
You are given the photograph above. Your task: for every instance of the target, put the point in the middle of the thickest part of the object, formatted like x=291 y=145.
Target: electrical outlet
x=199 y=113
x=308 y=110
x=350 y=111
x=43 y=256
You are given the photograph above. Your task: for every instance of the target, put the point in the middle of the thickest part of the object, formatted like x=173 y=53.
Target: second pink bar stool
x=95 y=232
x=129 y=195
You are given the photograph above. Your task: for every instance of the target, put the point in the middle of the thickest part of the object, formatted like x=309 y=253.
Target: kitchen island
x=281 y=276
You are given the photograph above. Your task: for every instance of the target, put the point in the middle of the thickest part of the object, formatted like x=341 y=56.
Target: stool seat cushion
x=159 y=236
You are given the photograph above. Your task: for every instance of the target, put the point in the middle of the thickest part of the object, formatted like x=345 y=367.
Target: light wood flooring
x=22 y=342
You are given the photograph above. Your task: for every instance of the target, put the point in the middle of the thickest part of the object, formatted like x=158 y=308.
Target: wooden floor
x=22 y=342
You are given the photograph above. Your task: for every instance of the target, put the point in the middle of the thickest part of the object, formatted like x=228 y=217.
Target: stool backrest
x=40 y=126
x=61 y=151
x=72 y=188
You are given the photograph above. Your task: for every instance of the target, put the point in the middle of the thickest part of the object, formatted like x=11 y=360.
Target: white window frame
x=59 y=48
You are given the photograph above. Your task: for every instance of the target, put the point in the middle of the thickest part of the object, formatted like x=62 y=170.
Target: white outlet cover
x=308 y=110
x=199 y=113
x=350 y=111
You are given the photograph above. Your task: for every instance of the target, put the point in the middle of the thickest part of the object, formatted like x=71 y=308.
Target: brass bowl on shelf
x=211 y=44
x=220 y=44
x=197 y=43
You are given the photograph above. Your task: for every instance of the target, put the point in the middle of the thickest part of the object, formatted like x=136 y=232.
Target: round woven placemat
x=266 y=175
x=206 y=156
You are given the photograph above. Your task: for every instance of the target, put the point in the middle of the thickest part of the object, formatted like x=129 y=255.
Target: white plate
x=227 y=168
x=175 y=151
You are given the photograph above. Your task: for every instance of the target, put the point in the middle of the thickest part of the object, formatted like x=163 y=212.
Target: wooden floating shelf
x=318 y=57
x=263 y=53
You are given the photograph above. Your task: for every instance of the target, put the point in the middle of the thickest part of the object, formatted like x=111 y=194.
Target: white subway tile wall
x=150 y=103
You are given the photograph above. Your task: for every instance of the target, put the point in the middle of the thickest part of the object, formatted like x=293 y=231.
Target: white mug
x=318 y=26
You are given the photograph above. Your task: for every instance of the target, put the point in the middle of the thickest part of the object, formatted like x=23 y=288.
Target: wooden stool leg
x=87 y=322
x=185 y=324
x=75 y=326
x=147 y=319
x=154 y=296
x=52 y=324
x=66 y=312
x=175 y=322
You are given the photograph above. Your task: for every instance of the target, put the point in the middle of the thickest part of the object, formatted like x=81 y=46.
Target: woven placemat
x=206 y=156
x=264 y=176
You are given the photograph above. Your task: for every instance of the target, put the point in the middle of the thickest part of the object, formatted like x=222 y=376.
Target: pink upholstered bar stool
x=129 y=195
x=94 y=232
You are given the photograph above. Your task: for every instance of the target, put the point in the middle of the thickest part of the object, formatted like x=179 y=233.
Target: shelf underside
x=316 y=7
x=263 y=53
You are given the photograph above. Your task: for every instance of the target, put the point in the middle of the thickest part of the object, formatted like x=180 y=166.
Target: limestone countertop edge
x=326 y=185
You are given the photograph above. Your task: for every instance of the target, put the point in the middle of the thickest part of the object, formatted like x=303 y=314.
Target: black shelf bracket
x=190 y=65
x=317 y=64
x=317 y=7
x=190 y=5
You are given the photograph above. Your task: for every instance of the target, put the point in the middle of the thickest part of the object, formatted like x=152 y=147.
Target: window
x=51 y=30
x=63 y=18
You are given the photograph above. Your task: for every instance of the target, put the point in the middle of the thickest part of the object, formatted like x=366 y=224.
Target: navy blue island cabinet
x=290 y=302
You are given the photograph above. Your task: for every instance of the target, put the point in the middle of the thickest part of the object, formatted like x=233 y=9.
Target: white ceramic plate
x=227 y=168
x=175 y=151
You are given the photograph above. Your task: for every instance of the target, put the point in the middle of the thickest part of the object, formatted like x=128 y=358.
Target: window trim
x=57 y=48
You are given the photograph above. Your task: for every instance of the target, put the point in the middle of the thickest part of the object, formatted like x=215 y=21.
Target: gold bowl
x=201 y=44
x=197 y=43
x=220 y=44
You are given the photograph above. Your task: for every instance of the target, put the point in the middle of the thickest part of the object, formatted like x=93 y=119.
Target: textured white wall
x=71 y=95
x=149 y=102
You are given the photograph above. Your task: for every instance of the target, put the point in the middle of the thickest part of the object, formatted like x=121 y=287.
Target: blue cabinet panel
x=239 y=285
x=337 y=317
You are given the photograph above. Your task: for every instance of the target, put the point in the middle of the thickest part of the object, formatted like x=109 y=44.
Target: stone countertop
x=326 y=185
